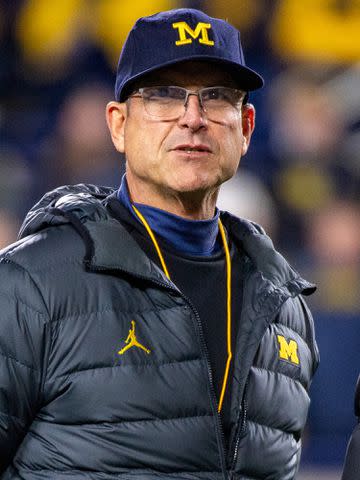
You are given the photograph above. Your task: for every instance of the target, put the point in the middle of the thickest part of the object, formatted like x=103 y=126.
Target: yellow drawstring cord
x=228 y=315
x=228 y=290
x=152 y=236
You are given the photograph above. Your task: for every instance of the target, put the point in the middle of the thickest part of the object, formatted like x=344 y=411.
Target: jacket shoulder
x=48 y=234
x=49 y=247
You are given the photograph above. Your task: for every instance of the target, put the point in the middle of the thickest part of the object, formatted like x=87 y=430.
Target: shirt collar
x=193 y=237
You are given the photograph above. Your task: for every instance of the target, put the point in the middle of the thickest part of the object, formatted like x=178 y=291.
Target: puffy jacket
x=352 y=459
x=72 y=290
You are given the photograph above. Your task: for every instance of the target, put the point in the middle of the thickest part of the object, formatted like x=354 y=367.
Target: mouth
x=192 y=149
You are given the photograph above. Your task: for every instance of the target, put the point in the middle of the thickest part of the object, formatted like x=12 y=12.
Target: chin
x=195 y=186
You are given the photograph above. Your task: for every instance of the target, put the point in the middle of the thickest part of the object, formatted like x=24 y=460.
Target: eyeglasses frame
x=138 y=93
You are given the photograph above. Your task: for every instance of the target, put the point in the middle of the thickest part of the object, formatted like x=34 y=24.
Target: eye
x=155 y=93
x=222 y=95
x=164 y=93
x=177 y=93
x=212 y=94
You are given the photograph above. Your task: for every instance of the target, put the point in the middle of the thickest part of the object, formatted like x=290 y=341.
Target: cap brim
x=246 y=78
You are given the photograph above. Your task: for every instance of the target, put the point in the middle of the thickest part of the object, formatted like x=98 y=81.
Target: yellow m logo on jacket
x=288 y=350
x=201 y=30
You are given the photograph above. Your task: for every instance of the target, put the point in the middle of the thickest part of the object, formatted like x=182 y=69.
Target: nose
x=193 y=117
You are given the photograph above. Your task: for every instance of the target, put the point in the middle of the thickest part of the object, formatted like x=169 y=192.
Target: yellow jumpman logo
x=131 y=341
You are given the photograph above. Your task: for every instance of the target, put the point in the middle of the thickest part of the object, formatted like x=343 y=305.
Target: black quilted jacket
x=75 y=291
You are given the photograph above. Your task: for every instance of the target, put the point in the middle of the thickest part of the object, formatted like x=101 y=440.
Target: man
x=352 y=459
x=144 y=334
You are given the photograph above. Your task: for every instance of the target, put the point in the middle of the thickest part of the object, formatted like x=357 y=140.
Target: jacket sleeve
x=22 y=348
x=352 y=458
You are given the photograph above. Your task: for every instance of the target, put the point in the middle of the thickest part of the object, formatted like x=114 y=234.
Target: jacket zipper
x=219 y=429
x=212 y=392
x=242 y=428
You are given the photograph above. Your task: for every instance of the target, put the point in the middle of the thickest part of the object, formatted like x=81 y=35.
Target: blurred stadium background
x=301 y=178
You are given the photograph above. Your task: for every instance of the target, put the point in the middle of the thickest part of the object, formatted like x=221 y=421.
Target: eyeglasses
x=168 y=102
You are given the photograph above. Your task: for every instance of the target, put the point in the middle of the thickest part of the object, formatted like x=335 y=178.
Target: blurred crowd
x=300 y=180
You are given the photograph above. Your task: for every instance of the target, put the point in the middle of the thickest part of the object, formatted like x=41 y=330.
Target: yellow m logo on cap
x=288 y=350
x=201 y=30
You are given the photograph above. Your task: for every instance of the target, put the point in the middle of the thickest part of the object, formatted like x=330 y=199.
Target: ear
x=116 y=115
x=248 y=125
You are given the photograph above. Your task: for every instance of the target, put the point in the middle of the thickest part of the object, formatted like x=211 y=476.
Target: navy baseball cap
x=175 y=36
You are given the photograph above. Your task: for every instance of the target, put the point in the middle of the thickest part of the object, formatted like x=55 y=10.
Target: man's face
x=189 y=156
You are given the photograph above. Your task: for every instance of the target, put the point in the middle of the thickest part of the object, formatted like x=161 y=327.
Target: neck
x=197 y=205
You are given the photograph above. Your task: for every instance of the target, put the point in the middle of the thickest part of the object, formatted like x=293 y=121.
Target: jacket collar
x=113 y=248
x=85 y=207
x=110 y=240
x=266 y=260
